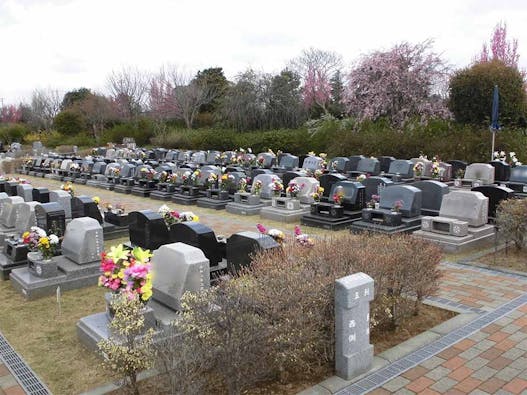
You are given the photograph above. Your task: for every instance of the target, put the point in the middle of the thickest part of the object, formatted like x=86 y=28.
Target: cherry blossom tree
x=10 y=114
x=500 y=48
x=316 y=68
x=403 y=82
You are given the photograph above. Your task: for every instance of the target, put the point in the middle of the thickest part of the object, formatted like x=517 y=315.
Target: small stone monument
x=353 y=351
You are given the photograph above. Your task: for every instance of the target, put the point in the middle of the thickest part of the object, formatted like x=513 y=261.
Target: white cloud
x=67 y=44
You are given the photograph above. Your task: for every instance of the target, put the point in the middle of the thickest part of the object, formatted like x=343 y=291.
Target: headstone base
x=109 y=186
x=408 y=225
x=92 y=183
x=142 y=192
x=353 y=365
x=111 y=231
x=126 y=189
x=214 y=204
x=161 y=195
x=69 y=276
x=476 y=238
x=330 y=223
x=283 y=215
x=185 y=200
x=244 y=209
x=7 y=265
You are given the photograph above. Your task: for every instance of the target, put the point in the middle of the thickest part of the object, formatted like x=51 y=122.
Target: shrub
x=276 y=318
x=12 y=132
x=129 y=350
x=141 y=130
x=511 y=219
x=471 y=93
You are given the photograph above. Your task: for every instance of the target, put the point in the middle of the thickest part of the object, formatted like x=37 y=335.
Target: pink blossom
x=298 y=232
x=261 y=228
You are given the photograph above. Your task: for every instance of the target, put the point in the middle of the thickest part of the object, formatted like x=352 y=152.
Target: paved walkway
x=490 y=359
x=8 y=383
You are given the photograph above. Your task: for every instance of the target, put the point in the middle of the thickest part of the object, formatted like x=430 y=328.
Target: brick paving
x=8 y=384
x=491 y=360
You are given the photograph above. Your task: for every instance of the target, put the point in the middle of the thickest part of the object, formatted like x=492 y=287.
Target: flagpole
x=493 y=139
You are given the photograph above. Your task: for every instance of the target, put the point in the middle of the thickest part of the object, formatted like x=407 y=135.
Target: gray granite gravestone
x=25 y=191
x=468 y=206
x=178 y=268
x=405 y=168
x=83 y=241
x=482 y=172
x=313 y=163
x=353 y=351
x=63 y=198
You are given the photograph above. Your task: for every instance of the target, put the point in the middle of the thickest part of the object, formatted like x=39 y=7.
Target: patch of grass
x=506 y=258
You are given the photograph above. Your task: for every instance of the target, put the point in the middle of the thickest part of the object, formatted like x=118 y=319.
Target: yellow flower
x=195 y=218
x=120 y=274
x=96 y=199
x=25 y=234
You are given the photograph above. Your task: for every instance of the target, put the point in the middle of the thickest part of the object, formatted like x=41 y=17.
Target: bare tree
x=45 y=105
x=128 y=88
x=174 y=94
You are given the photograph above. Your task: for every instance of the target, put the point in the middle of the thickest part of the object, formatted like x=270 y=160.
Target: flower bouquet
x=293 y=189
x=277 y=187
x=397 y=205
x=338 y=198
x=36 y=239
x=68 y=187
x=276 y=234
x=303 y=239
x=418 y=169
x=257 y=187
x=317 y=194
x=127 y=272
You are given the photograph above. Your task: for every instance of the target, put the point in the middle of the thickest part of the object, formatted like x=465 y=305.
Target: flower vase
x=457 y=182
x=377 y=205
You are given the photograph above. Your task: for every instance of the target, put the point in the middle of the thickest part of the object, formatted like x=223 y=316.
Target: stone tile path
x=493 y=360
x=8 y=383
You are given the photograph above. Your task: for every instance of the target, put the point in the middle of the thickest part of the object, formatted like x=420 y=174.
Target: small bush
x=511 y=219
x=276 y=318
x=13 y=132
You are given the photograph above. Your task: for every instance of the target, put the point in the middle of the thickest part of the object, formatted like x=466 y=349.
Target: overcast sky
x=68 y=44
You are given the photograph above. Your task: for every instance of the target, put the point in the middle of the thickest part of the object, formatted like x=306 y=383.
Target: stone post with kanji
x=353 y=351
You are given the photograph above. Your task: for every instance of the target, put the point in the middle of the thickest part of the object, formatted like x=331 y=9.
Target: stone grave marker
x=518 y=179
x=51 y=218
x=374 y=186
x=354 y=162
x=468 y=206
x=200 y=236
x=26 y=218
x=64 y=199
x=327 y=180
x=354 y=194
x=433 y=192
x=339 y=164
x=266 y=159
x=25 y=191
x=288 y=162
x=370 y=166
x=495 y=194
x=178 y=268
x=40 y=195
x=385 y=162
x=405 y=168
x=479 y=172
x=84 y=206
x=353 y=351
x=10 y=212
x=267 y=181
x=147 y=229
x=241 y=246
x=308 y=186
x=83 y=242
x=313 y=163
x=502 y=170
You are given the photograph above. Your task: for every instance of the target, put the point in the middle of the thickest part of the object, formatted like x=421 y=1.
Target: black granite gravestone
x=199 y=236
x=41 y=195
x=84 y=206
x=385 y=162
x=147 y=229
x=51 y=217
x=242 y=246
x=327 y=180
x=495 y=194
x=354 y=194
x=339 y=164
x=502 y=170
x=354 y=162
x=374 y=184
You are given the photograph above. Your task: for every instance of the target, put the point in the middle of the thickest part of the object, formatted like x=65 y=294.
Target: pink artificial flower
x=298 y=232
x=261 y=228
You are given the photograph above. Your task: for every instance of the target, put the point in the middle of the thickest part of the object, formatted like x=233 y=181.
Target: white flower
x=514 y=160
x=512 y=154
x=502 y=153
x=249 y=150
x=163 y=209
x=496 y=154
x=39 y=231
x=53 y=239
x=518 y=163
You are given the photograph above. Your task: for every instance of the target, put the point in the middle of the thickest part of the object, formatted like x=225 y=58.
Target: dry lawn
x=506 y=258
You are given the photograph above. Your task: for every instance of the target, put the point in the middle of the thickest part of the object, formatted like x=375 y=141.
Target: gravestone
x=242 y=245
x=518 y=179
x=468 y=206
x=41 y=195
x=11 y=188
x=178 y=268
x=479 y=172
x=213 y=157
x=374 y=185
x=290 y=175
x=200 y=236
x=10 y=211
x=172 y=155
x=445 y=171
x=25 y=191
x=51 y=218
x=433 y=192
x=313 y=163
x=495 y=194
x=370 y=166
x=327 y=180
x=354 y=162
x=64 y=199
x=354 y=194
x=84 y=206
x=385 y=162
x=457 y=165
x=266 y=160
x=353 y=351
x=267 y=181
x=308 y=186
x=199 y=157
x=339 y=164
x=401 y=167
x=409 y=196
x=27 y=217
x=147 y=229
x=427 y=166
x=288 y=162
x=502 y=170
x=83 y=242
